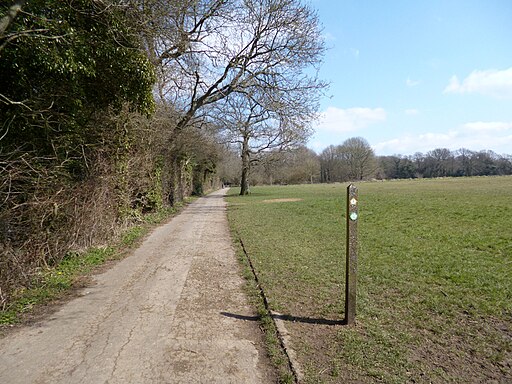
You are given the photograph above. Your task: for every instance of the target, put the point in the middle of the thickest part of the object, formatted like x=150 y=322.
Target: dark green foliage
x=67 y=68
x=60 y=61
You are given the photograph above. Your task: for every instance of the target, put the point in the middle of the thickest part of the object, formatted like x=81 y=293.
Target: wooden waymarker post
x=351 y=267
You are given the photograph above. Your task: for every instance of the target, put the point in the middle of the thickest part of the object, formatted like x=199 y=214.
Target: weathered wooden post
x=351 y=250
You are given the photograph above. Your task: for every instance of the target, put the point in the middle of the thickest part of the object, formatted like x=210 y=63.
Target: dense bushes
x=84 y=151
x=50 y=205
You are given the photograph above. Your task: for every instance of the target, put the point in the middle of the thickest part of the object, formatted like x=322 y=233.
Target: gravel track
x=172 y=312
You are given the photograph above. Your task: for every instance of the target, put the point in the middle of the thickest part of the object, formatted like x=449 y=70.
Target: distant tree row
x=355 y=160
x=442 y=162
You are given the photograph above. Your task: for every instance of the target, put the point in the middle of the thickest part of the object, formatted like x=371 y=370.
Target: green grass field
x=434 y=277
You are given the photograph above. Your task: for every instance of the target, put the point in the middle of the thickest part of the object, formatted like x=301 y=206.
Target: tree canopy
x=207 y=50
x=352 y=160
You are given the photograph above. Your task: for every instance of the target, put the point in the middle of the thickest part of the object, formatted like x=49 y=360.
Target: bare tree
x=352 y=160
x=330 y=165
x=358 y=157
x=298 y=166
x=257 y=126
x=228 y=168
x=207 y=50
x=465 y=157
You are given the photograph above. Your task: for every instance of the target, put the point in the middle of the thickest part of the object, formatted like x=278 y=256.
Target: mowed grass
x=434 y=297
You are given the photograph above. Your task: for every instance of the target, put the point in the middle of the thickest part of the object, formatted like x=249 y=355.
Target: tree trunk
x=246 y=163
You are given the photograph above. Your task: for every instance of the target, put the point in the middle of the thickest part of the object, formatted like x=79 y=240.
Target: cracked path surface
x=166 y=314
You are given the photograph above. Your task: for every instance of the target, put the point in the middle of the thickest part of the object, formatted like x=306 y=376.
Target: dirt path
x=162 y=315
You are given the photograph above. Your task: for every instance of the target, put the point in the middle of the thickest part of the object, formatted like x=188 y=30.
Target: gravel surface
x=172 y=312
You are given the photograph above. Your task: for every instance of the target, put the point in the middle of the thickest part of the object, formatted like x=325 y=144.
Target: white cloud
x=490 y=83
x=483 y=126
x=475 y=136
x=337 y=120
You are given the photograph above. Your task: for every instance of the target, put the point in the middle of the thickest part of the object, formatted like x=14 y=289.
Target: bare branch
x=235 y=45
x=4 y=99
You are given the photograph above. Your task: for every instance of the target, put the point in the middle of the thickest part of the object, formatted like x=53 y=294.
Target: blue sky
x=414 y=75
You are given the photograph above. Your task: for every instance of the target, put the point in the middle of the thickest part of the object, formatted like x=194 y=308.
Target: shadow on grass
x=297 y=319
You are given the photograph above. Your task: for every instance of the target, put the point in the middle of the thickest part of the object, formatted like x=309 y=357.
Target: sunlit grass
x=434 y=284
x=53 y=282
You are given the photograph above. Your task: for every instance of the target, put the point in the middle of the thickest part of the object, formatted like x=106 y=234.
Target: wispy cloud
x=328 y=37
x=411 y=144
x=349 y=120
x=412 y=83
x=490 y=83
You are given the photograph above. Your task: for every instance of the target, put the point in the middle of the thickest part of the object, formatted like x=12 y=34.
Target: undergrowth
x=55 y=282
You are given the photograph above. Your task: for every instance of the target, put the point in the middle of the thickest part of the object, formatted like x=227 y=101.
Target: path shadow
x=240 y=317
x=307 y=320
x=215 y=196
x=297 y=319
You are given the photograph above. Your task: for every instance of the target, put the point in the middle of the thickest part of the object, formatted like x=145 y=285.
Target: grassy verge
x=434 y=292
x=273 y=345
x=56 y=282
